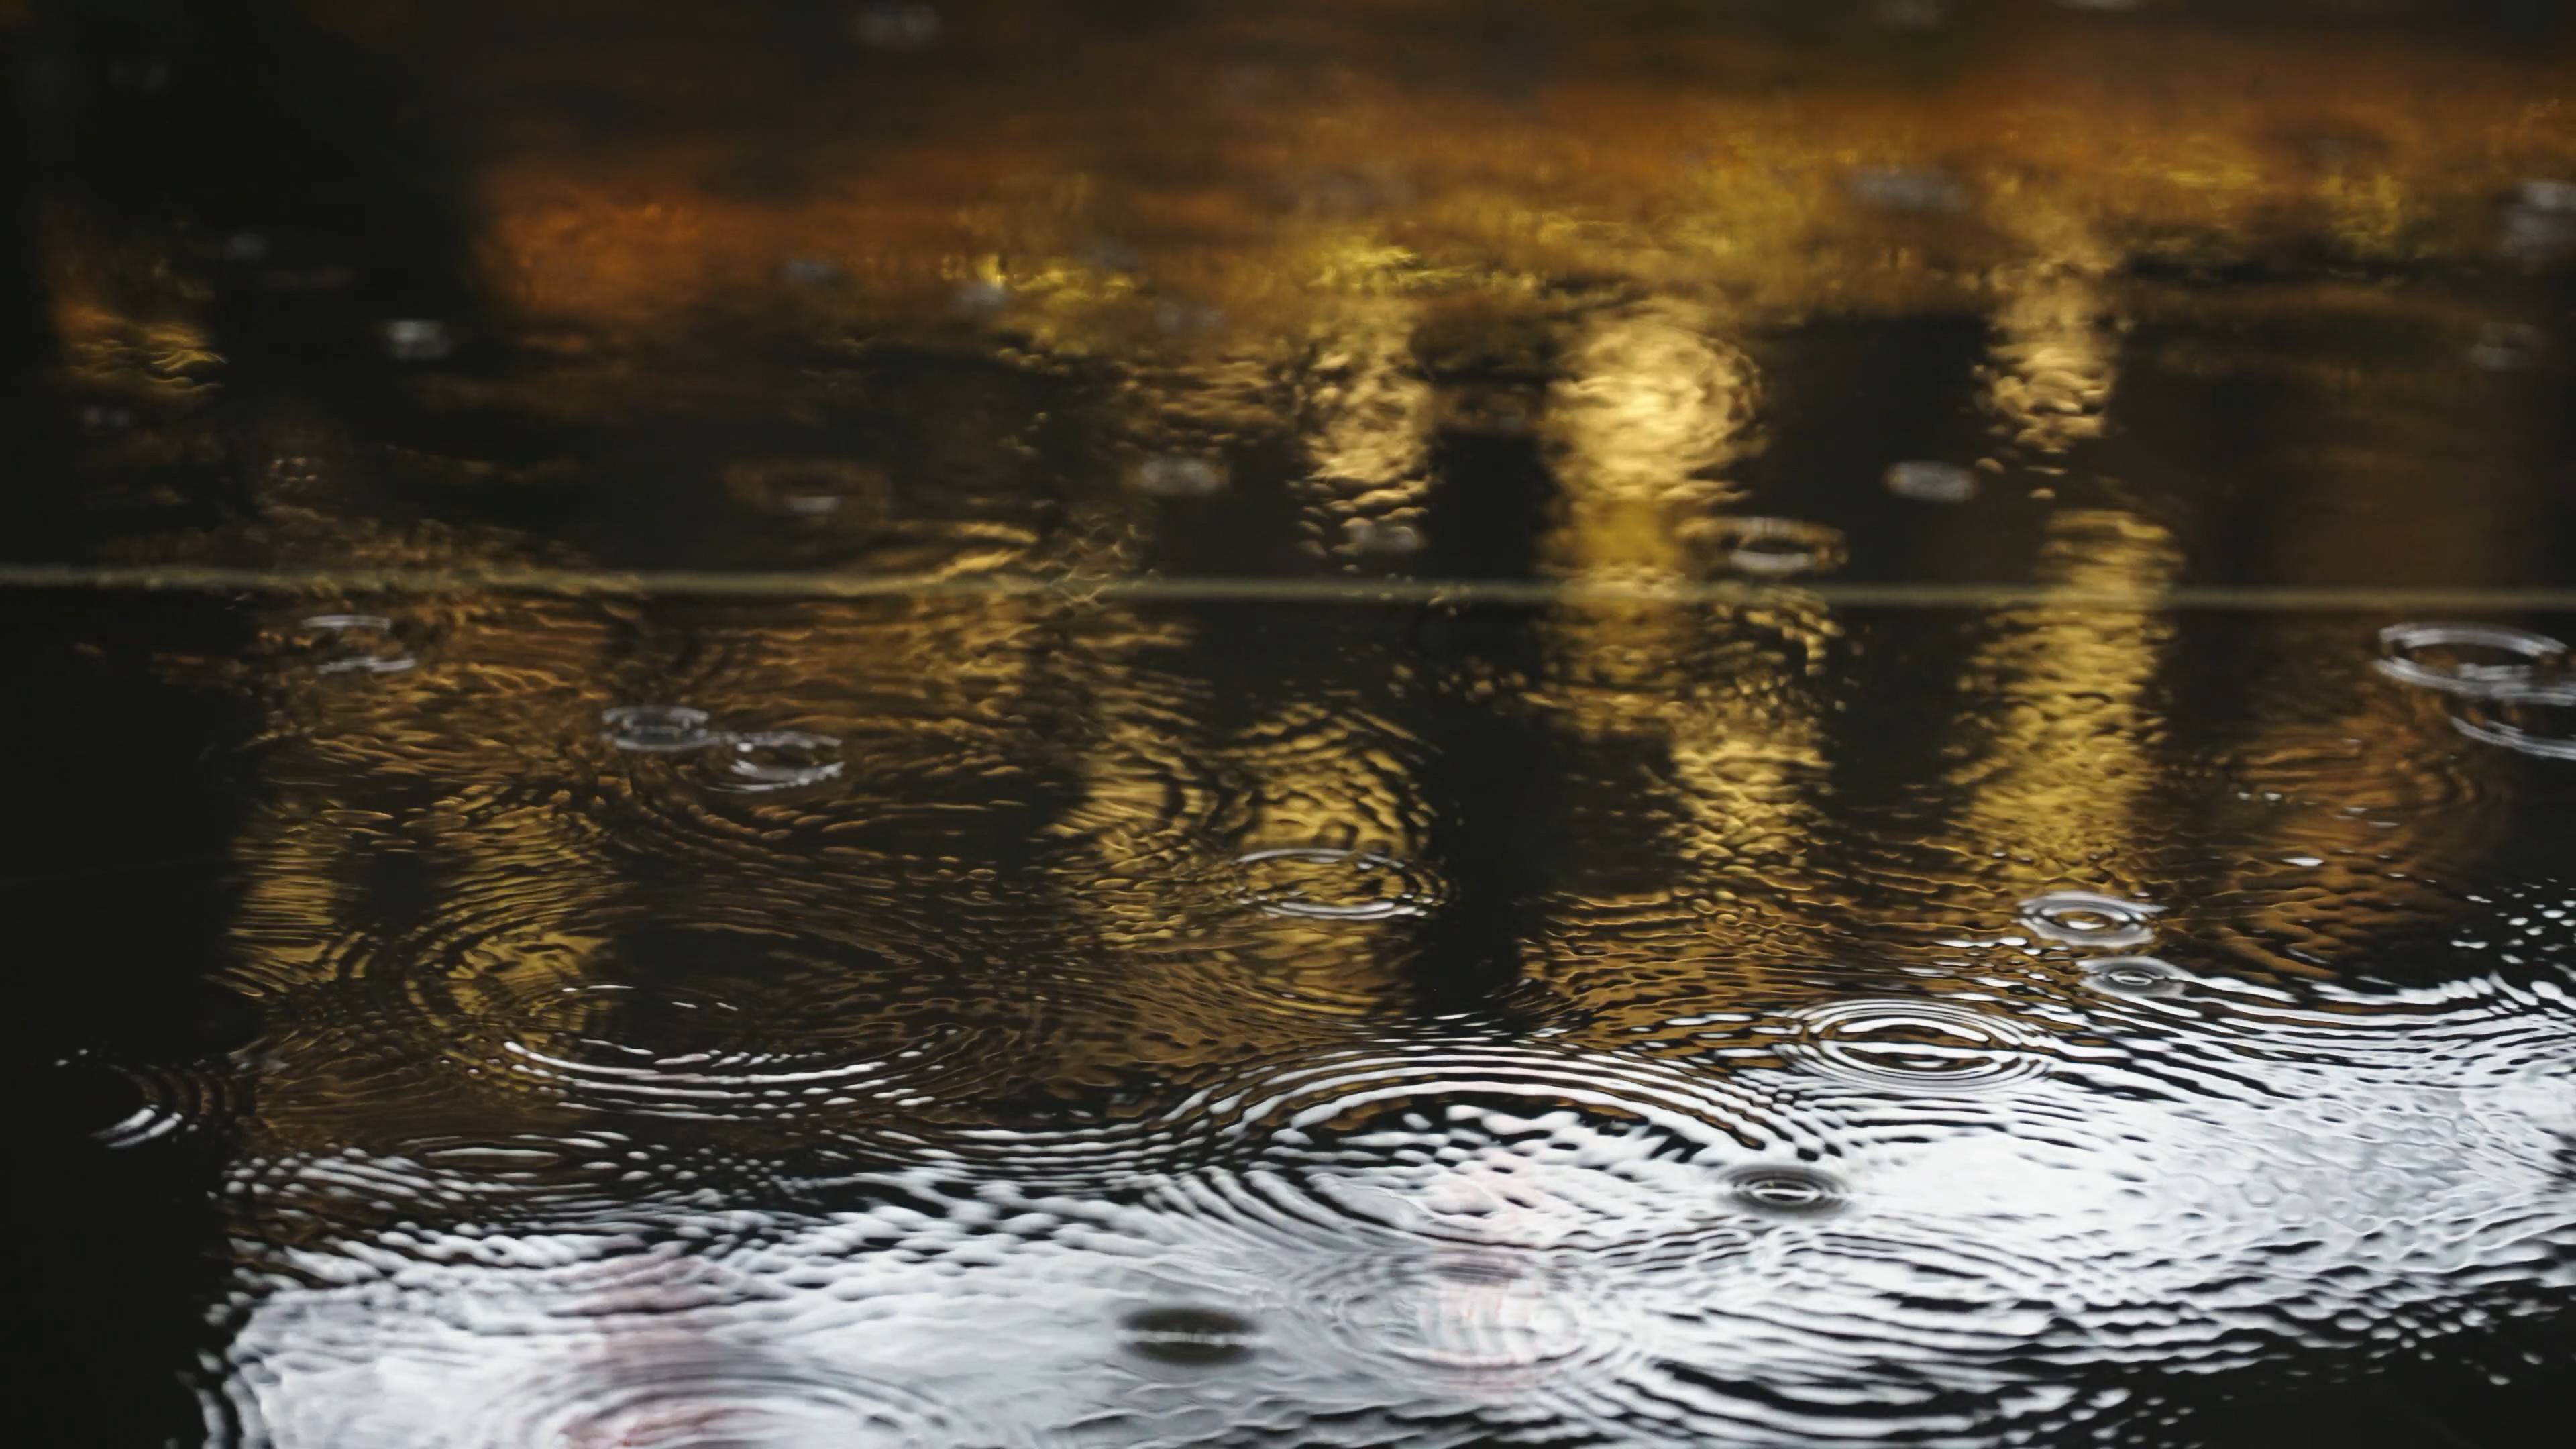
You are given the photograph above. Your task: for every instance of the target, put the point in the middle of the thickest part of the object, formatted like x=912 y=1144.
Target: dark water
x=1367 y=724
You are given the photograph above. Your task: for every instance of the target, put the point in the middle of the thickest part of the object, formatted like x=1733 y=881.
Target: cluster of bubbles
x=2506 y=687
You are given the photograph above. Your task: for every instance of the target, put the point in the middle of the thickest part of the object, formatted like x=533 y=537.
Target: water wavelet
x=659 y=729
x=152 y=1101
x=2466 y=659
x=1487 y=1145
x=676 y=1396
x=773 y=763
x=2535 y=719
x=2088 y=918
x=2144 y=976
x=357 y=644
x=1477 y=1313
x=1324 y=883
x=688 y=1015
x=1772 y=547
x=1794 y=1192
x=1914 y=1046
x=678 y=746
x=1271 y=858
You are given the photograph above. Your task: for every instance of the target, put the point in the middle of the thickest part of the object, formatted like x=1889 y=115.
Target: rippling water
x=1046 y=725
x=981 y=1067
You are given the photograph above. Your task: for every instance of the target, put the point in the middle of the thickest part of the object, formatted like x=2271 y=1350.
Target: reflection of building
x=944 y=875
x=1370 y=419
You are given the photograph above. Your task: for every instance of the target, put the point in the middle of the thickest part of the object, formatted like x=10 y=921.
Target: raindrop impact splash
x=772 y=762
x=2538 y=720
x=357 y=644
x=1914 y=1046
x=2142 y=976
x=2466 y=659
x=1327 y=884
x=2084 y=918
x=1774 y=548
x=1786 y=1192
x=659 y=729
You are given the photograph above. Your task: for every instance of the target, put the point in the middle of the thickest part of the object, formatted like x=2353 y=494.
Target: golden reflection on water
x=1017 y=310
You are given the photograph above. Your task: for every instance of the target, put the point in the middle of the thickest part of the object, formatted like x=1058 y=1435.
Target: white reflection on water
x=1999 y=1267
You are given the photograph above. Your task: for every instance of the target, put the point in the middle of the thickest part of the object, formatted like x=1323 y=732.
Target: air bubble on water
x=1927 y=482
x=895 y=26
x=772 y=761
x=417 y=339
x=2134 y=976
x=2465 y=658
x=659 y=729
x=1178 y=475
x=2085 y=918
x=2532 y=719
x=1190 y=1337
x=1788 y=1191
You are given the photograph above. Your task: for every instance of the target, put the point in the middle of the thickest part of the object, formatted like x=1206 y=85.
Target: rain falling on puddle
x=1057 y=725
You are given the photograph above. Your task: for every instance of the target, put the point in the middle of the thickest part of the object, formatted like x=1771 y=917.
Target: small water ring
x=2087 y=918
x=2401 y=644
x=1913 y=1046
x=2535 y=719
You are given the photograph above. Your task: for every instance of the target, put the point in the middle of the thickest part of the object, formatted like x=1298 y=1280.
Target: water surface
x=1000 y=725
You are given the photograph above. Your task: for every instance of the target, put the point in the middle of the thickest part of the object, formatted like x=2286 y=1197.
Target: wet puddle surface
x=998 y=725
